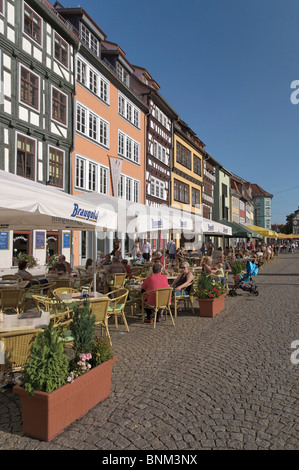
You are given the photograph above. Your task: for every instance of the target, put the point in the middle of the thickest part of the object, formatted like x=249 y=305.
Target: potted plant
x=58 y=388
x=31 y=261
x=210 y=295
x=51 y=260
x=237 y=270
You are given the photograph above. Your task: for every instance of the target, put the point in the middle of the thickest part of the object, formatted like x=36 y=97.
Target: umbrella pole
x=94 y=252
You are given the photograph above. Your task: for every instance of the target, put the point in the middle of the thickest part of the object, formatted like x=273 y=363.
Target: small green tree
x=83 y=329
x=48 y=365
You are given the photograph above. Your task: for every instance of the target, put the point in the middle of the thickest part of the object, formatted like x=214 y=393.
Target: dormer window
x=90 y=40
x=122 y=73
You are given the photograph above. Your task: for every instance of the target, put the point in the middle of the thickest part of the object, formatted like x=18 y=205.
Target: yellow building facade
x=187 y=174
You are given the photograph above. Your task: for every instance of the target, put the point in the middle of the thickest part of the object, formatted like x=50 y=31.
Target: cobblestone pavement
x=222 y=383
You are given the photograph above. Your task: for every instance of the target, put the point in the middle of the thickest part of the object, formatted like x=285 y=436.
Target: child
x=220 y=271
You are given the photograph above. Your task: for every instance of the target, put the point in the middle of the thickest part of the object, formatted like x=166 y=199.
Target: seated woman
x=89 y=266
x=26 y=276
x=186 y=277
x=209 y=269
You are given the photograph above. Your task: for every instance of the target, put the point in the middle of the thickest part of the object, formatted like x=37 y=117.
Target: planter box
x=46 y=414
x=210 y=307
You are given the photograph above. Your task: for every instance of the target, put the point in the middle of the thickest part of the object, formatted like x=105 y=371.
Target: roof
x=258 y=191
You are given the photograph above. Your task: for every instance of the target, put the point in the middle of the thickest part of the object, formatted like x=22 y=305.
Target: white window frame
x=35 y=156
x=23 y=103
x=86 y=165
x=157 y=185
x=66 y=107
x=158 y=150
x=48 y=165
x=102 y=84
x=128 y=148
x=102 y=126
x=127 y=182
x=128 y=110
x=68 y=50
x=23 y=26
x=90 y=39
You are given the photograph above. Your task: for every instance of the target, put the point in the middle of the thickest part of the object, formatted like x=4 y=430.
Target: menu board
x=39 y=240
x=4 y=240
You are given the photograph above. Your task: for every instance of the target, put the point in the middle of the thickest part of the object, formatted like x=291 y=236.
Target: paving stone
x=222 y=383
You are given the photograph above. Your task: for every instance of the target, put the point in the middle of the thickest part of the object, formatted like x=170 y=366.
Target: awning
x=263 y=231
x=211 y=227
x=240 y=231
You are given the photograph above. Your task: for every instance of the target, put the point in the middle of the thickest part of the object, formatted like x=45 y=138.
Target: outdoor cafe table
x=11 y=284
x=25 y=321
x=72 y=297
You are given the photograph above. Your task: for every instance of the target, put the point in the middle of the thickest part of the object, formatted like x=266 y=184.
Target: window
x=128 y=188
x=81 y=72
x=1 y=6
x=183 y=155
x=159 y=152
x=122 y=74
x=90 y=176
x=195 y=197
x=93 y=80
x=61 y=51
x=97 y=130
x=197 y=165
x=90 y=40
x=161 y=117
x=181 y=192
x=29 y=88
x=127 y=110
x=128 y=148
x=59 y=106
x=157 y=188
x=32 y=24
x=25 y=157
x=56 y=167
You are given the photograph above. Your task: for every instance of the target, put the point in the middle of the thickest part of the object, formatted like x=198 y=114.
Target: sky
x=230 y=69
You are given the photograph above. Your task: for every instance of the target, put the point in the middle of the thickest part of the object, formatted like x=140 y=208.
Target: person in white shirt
x=146 y=250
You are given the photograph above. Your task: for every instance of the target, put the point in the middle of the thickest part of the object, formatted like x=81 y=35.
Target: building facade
x=187 y=176
x=109 y=123
x=37 y=50
x=262 y=206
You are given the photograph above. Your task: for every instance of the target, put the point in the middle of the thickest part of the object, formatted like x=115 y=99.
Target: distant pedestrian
x=146 y=250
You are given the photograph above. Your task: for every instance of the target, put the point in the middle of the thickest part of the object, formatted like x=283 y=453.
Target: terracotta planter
x=210 y=307
x=46 y=414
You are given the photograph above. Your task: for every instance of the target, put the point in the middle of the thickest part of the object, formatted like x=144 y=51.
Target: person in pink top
x=153 y=281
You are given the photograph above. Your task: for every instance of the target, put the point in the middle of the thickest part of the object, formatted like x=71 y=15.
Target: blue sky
x=226 y=67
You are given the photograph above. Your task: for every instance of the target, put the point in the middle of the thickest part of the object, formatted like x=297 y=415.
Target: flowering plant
x=29 y=258
x=101 y=351
x=51 y=260
x=81 y=367
x=207 y=287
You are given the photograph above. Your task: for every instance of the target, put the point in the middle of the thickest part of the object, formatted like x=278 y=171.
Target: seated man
x=153 y=281
x=62 y=266
x=115 y=267
x=183 y=279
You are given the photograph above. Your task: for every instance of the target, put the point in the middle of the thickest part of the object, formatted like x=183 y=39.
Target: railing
x=66 y=23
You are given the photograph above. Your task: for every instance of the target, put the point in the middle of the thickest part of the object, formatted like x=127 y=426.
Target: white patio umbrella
x=31 y=205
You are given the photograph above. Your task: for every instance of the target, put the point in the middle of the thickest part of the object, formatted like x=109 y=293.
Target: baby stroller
x=245 y=282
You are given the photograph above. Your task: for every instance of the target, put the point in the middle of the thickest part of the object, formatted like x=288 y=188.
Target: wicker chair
x=36 y=289
x=12 y=299
x=17 y=345
x=44 y=303
x=117 y=305
x=10 y=277
x=99 y=308
x=163 y=298
x=186 y=296
x=63 y=320
x=59 y=283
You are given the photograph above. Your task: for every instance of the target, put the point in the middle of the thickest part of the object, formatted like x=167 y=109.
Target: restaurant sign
x=81 y=213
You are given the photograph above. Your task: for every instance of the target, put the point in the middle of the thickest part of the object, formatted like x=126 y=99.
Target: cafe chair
x=59 y=283
x=44 y=303
x=10 y=277
x=12 y=299
x=118 y=299
x=163 y=299
x=63 y=320
x=64 y=290
x=99 y=307
x=16 y=347
x=186 y=297
x=35 y=289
